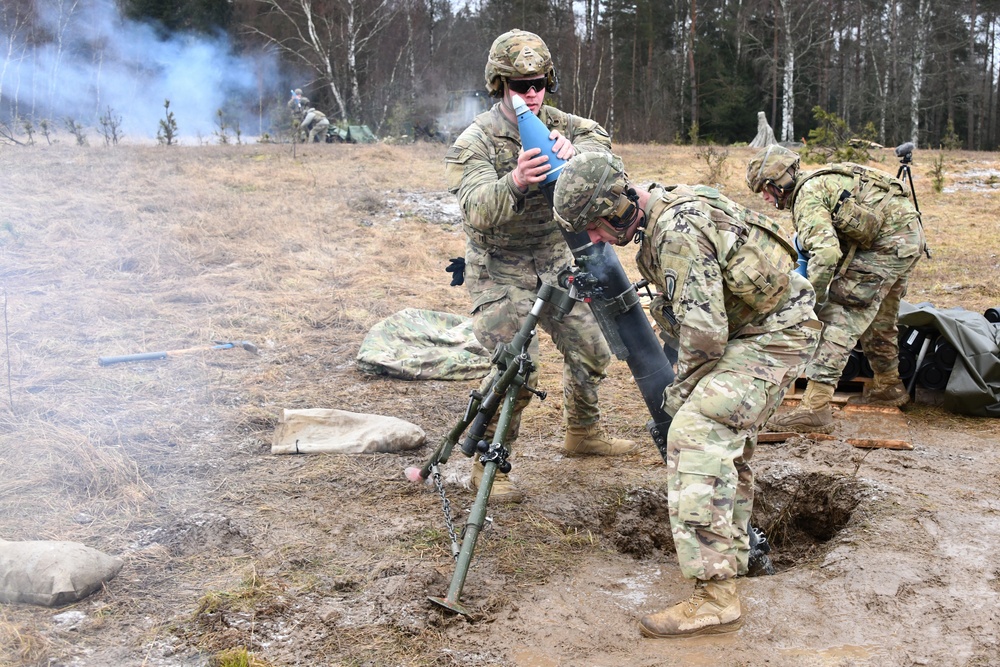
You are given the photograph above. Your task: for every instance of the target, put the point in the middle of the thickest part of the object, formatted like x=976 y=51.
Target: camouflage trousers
x=864 y=305
x=711 y=441
x=578 y=336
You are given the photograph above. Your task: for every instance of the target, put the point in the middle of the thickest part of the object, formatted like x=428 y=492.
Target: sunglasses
x=522 y=86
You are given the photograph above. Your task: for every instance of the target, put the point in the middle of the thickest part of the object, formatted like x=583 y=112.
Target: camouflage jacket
x=812 y=205
x=696 y=254
x=313 y=116
x=298 y=106
x=515 y=229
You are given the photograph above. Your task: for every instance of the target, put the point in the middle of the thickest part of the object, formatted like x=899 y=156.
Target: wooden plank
x=874 y=427
x=862 y=426
x=869 y=443
x=776 y=437
x=781 y=436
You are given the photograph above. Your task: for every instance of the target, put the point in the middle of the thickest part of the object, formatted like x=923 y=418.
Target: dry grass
x=21 y=644
x=147 y=248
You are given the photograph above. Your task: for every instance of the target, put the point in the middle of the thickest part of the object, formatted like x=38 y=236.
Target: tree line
x=649 y=70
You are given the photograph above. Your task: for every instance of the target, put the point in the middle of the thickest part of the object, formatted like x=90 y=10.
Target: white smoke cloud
x=95 y=59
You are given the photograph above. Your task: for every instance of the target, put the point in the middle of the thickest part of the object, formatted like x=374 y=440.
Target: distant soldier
x=863 y=237
x=297 y=105
x=745 y=326
x=316 y=123
x=513 y=244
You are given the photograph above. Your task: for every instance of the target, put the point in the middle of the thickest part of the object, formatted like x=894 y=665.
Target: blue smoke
x=94 y=59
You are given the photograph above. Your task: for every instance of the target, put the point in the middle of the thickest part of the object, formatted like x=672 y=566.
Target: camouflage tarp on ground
x=416 y=344
x=974 y=385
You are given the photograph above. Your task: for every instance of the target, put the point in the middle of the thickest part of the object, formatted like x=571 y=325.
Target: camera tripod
x=905 y=154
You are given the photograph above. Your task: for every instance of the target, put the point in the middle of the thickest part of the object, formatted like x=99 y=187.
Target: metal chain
x=446 y=507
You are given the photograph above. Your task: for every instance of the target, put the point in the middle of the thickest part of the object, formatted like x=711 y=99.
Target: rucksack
x=860 y=212
x=758 y=271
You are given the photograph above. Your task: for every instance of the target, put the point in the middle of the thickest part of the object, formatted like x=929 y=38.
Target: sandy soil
x=236 y=556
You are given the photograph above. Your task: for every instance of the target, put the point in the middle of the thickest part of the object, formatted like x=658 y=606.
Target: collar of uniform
x=655 y=194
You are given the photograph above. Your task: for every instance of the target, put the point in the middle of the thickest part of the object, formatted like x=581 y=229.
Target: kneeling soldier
x=746 y=329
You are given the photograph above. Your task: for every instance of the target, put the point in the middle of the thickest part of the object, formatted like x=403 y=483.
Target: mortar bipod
x=512 y=366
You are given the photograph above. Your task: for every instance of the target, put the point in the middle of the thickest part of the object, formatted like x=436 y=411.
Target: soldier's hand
x=563 y=149
x=531 y=168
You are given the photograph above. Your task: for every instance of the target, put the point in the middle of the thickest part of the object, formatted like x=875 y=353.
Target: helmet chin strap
x=504 y=100
x=640 y=230
x=779 y=194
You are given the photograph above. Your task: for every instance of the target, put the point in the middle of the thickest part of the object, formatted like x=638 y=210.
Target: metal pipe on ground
x=166 y=354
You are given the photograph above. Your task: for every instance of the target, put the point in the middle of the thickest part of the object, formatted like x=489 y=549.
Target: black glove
x=457 y=269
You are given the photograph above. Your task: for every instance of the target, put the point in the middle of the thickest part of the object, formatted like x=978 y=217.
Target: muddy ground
x=237 y=556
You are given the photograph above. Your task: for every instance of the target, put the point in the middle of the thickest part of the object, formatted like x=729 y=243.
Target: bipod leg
x=494 y=459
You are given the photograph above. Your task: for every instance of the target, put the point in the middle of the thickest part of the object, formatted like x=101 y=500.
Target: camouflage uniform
x=737 y=356
x=316 y=122
x=297 y=105
x=859 y=300
x=514 y=245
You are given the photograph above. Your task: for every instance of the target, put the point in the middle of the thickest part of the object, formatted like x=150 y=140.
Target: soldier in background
x=513 y=243
x=297 y=106
x=863 y=237
x=745 y=326
x=316 y=123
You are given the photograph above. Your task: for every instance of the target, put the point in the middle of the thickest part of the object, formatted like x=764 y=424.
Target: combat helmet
x=594 y=186
x=519 y=53
x=775 y=165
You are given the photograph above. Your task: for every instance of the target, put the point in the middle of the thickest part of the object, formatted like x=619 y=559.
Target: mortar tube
x=621 y=316
x=644 y=352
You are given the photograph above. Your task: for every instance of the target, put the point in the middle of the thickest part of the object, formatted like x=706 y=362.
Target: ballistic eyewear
x=522 y=86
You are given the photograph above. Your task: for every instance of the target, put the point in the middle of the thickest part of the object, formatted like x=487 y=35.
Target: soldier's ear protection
x=626 y=208
x=624 y=214
x=785 y=182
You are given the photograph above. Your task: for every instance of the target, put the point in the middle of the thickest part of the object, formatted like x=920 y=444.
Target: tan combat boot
x=886 y=390
x=714 y=608
x=592 y=441
x=813 y=415
x=503 y=489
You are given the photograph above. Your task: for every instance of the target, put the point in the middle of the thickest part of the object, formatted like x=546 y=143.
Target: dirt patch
x=883 y=557
x=198 y=534
x=800 y=513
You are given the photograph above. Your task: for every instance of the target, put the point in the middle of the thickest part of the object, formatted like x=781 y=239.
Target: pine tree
x=167 y=134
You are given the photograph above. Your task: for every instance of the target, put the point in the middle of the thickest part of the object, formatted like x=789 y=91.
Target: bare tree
x=328 y=38
x=788 y=77
x=923 y=21
x=692 y=45
x=15 y=18
x=971 y=110
x=64 y=12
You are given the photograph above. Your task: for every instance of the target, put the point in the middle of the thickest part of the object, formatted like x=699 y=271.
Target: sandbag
x=417 y=344
x=319 y=430
x=52 y=573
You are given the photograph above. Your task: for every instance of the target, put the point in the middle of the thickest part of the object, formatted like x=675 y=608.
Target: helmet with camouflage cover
x=774 y=165
x=593 y=187
x=518 y=53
